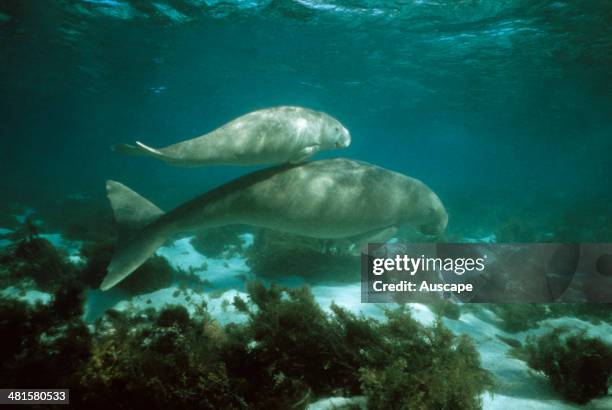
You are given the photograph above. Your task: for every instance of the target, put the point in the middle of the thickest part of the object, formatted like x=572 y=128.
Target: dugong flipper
x=274 y=135
x=327 y=199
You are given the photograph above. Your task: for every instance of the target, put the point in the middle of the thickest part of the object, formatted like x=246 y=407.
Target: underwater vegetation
x=578 y=366
x=36 y=259
x=288 y=352
x=44 y=346
x=519 y=317
x=285 y=355
x=423 y=368
x=219 y=242
x=516 y=318
x=446 y=309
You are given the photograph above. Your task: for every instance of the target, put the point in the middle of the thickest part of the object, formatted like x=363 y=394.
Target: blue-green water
x=483 y=100
x=503 y=108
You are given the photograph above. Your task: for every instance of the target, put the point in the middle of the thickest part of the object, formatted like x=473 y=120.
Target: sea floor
x=518 y=386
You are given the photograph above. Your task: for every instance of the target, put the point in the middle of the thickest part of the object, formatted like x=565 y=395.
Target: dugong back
x=332 y=199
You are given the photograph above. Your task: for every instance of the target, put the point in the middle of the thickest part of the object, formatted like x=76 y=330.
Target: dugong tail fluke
x=139 y=149
x=139 y=237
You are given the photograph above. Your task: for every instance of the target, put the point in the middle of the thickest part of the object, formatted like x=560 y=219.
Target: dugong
x=269 y=136
x=333 y=199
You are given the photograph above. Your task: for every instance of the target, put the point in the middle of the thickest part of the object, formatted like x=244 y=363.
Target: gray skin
x=269 y=136
x=333 y=199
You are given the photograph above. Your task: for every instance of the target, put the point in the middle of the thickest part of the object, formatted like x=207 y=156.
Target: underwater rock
x=219 y=242
x=276 y=254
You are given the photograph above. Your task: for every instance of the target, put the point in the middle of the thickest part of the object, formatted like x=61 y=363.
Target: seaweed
x=219 y=242
x=37 y=259
x=423 y=368
x=397 y=364
x=313 y=359
x=78 y=218
x=44 y=346
x=287 y=354
x=161 y=360
x=277 y=254
x=579 y=367
x=594 y=313
x=446 y=309
x=519 y=317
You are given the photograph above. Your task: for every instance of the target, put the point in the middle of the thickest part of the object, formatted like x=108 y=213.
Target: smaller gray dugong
x=330 y=199
x=269 y=136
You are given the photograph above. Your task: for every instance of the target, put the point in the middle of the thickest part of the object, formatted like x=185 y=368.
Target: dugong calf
x=270 y=136
x=335 y=198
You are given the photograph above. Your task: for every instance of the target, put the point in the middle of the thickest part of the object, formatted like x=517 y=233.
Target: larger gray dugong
x=270 y=136
x=333 y=198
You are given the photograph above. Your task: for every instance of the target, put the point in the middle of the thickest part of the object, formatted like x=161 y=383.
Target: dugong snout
x=345 y=138
x=435 y=227
x=435 y=218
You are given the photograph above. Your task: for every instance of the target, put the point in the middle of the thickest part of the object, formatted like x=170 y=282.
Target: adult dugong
x=335 y=198
x=270 y=136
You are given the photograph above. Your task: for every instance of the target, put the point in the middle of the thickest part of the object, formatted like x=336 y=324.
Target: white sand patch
x=335 y=403
x=603 y=330
x=31 y=296
x=161 y=298
x=77 y=259
x=72 y=248
x=485 y=239
x=247 y=239
x=223 y=311
x=349 y=297
x=505 y=402
x=220 y=307
x=182 y=255
x=5 y=242
x=224 y=273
